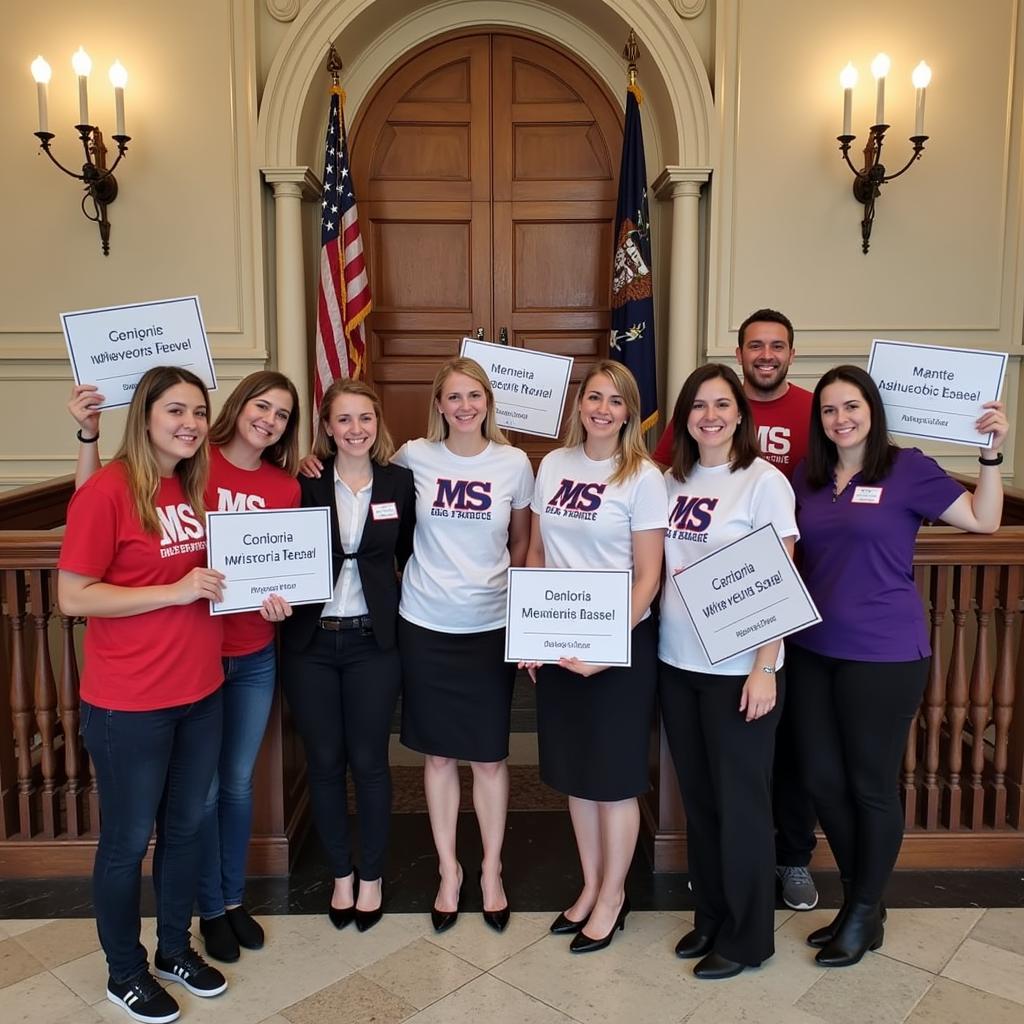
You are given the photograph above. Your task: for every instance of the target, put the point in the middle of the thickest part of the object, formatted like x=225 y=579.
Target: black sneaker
x=188 y=968
x=247 y=929
x=143 y=999
x=219 y=939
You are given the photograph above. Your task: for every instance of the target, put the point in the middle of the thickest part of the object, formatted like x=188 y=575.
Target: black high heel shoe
x=583 y=943
x=366 y=919
x=497 y=919
x=442 y=920
x=563 y=925
x=343 y=917
x=861 y=930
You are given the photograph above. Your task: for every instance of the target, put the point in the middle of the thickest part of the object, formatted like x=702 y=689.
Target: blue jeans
x=227 y=820
x=150 y=766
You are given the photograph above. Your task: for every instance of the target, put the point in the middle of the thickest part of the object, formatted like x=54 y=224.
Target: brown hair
x=685 y=450
x=136 y=451
x=632 y=453
x=437 y=426
x=324 y=447
x=284 y=452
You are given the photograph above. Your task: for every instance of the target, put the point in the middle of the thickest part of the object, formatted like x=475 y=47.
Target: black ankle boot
x=821 y=937
x=860 y=931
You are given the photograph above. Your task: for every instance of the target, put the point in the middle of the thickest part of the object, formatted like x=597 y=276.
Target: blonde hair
x=136 y=451
x=323 y=444
x=437 y=426
x=632 y=453
x=283 y=453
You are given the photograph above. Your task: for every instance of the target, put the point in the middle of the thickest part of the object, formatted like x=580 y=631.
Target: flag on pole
x=632 y=336
x=343 y=300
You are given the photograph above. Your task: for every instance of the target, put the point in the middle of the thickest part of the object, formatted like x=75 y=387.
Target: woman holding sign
x=132 y=562
x=472 y=522
x=253 y=458
x=720 y=719
x=857 y=678
x=340 y=666
x=599 y=503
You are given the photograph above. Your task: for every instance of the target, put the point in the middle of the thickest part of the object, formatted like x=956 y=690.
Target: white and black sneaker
x=143 y=999
x=188 y=968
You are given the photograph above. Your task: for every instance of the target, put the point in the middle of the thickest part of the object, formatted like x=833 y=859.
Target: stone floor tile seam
x=984 y=991
x=480 y=973
x=536 y=998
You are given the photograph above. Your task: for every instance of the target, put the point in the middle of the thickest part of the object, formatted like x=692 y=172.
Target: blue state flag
x=632 y=336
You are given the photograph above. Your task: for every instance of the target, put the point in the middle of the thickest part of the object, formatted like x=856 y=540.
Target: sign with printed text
x=284 y=551
x=114 y=346
x=529 y=387
x=745 y=595
x=569 y=613
x=934 y=392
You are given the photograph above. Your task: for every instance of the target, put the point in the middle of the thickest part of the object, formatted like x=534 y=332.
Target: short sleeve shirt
x=456 y=580
x=711 y=508
x=857 y=553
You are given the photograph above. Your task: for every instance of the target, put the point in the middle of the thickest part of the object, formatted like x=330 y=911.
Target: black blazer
x=384 y=544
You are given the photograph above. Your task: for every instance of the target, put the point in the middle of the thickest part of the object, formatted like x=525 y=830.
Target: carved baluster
x=987 y=578
x=909 y=779
x=45 y=699
x=1015 y=755
x=1003 y=690
x=21 y=703
x=68 y=699
x=934 y=699
x=957 y=692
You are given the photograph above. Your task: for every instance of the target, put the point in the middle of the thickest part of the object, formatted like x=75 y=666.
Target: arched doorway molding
x=372 y=34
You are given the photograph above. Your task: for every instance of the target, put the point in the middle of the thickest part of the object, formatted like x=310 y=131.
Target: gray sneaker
x=798 y=889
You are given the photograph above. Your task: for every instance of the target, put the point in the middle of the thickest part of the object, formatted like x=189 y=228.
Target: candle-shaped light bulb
x=920 y=76
x=880 y=68
x=41 y=73
x=118 y=79
x=848 y=80
x=82 y=65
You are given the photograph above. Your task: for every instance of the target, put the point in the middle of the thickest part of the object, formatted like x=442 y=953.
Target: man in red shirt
x=782 y=414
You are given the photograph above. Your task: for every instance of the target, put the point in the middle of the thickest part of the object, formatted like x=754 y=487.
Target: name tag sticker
x=867 y=496
x=384 y=510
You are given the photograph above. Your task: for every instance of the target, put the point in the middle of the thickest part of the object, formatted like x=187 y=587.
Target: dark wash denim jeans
x=227 y=822
x=152 y=767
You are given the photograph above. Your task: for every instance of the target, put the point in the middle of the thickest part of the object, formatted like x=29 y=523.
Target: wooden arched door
x=485 y=167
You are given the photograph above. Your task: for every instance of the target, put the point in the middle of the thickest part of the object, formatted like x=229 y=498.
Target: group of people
x=422 y=539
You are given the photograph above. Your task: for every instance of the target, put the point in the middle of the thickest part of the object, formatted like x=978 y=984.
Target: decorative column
x=683 y=186
x=292 y=186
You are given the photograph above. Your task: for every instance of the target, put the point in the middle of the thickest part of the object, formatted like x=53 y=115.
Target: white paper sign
x=934 y=392
x=529 y=387
x=113 y=347
x=569 y=613
x=745 y=595
x=283 y=551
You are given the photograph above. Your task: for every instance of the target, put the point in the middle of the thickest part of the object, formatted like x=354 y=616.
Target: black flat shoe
x=694 y=945
x=715 y=967
x=221 y=943
x=496 y=919
x=442 y=920
x=366 y=919
x=247 y=929
x=583 y=943
x=563 y=925
x=346 y=915
x=861 y=930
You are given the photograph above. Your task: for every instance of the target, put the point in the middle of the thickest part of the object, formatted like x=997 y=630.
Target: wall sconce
x=868 y=181
x=100 y=183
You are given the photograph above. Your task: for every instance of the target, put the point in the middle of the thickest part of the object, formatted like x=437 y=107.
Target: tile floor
x=937 y=967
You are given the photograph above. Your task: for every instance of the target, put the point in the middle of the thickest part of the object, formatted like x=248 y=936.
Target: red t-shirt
x=782 y=426
x=243 y=490
x=158 y=659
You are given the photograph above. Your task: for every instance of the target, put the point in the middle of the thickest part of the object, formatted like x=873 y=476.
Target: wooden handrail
x=38 y=506
x=30 y=549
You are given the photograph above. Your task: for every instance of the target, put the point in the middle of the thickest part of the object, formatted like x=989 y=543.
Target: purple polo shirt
x=857 y=560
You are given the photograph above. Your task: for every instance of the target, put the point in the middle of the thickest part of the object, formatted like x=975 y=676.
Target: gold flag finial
x=631 y=52
x=334 y=65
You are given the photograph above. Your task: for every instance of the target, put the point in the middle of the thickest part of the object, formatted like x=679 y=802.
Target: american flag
x=343 y=302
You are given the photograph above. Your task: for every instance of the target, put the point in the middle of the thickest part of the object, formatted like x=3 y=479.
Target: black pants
x=792 y=804
x=342 y=691
x=852 y=720
x=724 y=765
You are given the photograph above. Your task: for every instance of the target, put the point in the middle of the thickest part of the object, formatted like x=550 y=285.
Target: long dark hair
x=822 y=456
x=685 y=451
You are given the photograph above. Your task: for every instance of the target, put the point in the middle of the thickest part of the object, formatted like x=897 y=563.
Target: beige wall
x=779 y=224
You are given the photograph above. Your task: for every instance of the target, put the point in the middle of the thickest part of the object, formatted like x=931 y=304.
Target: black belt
x=335 y=625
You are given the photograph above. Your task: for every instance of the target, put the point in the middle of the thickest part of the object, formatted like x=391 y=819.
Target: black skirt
x=456 y=692
x=594 y=733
